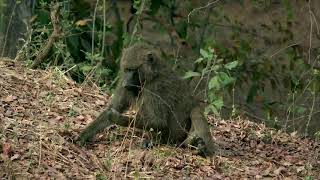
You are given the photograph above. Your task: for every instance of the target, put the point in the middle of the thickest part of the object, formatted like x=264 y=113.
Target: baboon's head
x=139 y=65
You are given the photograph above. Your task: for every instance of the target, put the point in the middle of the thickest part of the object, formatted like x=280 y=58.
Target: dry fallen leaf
x=300 y=169
x=279 y=170
x=80 y=118
x=100 y=102
x=6 y=147
x=15 y=156
x=9 y=98
x=59 y=118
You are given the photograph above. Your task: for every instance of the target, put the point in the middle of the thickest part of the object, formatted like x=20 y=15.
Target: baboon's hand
x=105 y=119
x=81 y=140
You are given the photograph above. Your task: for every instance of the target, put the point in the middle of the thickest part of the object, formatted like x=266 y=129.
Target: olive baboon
x=162 y=100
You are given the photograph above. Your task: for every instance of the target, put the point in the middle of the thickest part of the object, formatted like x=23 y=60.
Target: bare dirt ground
x=41 y=111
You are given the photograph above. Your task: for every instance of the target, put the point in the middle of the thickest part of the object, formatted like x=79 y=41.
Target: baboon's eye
x=150 y=57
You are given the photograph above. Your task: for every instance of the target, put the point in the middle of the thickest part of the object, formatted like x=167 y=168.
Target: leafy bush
x=219 y=76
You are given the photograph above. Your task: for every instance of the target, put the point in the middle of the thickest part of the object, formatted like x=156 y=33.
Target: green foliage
x=219 y=76
x=309 y=178
x=137 y=5
x=317 y=135
x=101 y=176
x=191 y=74
x=81 y=50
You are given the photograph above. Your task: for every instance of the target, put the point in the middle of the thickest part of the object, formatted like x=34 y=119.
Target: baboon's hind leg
x=199 y=135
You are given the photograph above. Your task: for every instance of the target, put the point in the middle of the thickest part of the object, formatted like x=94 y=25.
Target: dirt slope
x=40 y=112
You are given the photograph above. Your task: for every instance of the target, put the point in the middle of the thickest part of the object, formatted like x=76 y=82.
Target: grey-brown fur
x=162 y=99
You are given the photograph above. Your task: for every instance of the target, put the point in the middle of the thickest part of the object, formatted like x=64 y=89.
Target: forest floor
x=41 y=111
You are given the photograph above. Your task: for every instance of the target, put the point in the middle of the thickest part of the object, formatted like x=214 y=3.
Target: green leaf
x=199 y=60
x=215 y=68
x=225 y=79
x=231 y=65
x=136 y=5
x=190 y=74
x=317 y=135
x=210 y=56
x=214 y=83
x=85 y=68
x=218 y=103
x=212 y=96
x=309 y=178
x=204 y=53
x=301 y=110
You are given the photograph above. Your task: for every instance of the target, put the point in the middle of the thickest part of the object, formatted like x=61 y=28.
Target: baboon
x=162 y=100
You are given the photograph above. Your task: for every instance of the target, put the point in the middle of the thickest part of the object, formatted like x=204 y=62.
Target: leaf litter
x=42 y=111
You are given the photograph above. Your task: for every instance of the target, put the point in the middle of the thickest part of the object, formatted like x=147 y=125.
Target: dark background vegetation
x=256 y=58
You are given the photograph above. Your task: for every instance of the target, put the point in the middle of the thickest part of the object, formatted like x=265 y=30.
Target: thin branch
x=202 y=7
x=53 y=37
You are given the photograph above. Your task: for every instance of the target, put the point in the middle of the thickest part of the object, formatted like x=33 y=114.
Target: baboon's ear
x=150 y=57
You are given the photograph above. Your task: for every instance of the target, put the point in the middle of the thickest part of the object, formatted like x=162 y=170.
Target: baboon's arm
x=105 y=119
x=112 y=115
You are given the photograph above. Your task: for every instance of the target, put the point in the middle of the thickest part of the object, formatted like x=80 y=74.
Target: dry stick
x=54 y=36
x=202 y=7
